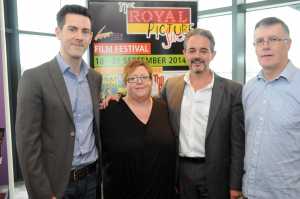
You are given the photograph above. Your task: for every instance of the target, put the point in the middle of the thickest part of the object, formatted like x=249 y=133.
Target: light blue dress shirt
x=272 y=124
x=85 y=150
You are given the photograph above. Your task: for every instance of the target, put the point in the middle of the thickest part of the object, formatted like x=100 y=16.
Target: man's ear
x=91 y=36
x=57 y=32
x=214 y=54
x=289 y=43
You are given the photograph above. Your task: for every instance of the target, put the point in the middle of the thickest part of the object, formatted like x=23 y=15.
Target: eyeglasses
x=135 y=79
x=270 y=41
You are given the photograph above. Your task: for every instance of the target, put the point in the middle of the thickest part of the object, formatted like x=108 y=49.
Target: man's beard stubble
x=199 y=61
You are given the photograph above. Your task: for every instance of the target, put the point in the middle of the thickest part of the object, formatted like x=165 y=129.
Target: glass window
x=212 y=4
x=35 y=50
x=39 y=19
x=290 y=15
x=221 y=28
x=251 y=1
x=33 y=53
x=79 y=2
x=40 y=16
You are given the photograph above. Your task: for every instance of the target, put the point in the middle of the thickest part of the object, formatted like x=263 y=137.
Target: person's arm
x=163 y=93
x=28 y=137
x=103 y=104
x=237 y=143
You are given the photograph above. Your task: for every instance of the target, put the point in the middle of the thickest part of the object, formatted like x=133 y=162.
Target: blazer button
x=72 y=133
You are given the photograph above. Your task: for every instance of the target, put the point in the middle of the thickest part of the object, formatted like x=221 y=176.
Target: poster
x=153 y=31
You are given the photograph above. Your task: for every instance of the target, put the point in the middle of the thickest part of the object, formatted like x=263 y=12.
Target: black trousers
x=85 y=188
x=192 y=179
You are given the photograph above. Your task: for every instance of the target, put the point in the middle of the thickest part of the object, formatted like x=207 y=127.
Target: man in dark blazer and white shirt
x=207 y=116
x=57 y=125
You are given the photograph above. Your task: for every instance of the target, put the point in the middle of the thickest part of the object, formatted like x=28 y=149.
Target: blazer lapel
x=60 y=85
x=94 y=95
x=177 y=101
x=216 y=99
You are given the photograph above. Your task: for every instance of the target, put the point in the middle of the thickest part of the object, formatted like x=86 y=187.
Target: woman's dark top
x=138 y=159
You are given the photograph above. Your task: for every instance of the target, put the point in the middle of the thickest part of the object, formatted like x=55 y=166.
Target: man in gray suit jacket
x=57 y=125
x=207 y=115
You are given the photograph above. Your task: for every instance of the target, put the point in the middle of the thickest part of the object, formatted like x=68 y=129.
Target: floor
x=20 y=191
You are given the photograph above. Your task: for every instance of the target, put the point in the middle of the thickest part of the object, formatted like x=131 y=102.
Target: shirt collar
x=287 y=73
x=64 y=67
x=188 y=81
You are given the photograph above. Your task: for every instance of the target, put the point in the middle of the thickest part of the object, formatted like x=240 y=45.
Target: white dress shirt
x=193 y=119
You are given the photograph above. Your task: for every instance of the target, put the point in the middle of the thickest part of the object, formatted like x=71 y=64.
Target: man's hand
x=235 y=194
x=104 y=103
x=53 y=197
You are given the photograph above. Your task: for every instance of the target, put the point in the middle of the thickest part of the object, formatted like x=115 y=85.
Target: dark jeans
x=85 y=188
x=192 y=180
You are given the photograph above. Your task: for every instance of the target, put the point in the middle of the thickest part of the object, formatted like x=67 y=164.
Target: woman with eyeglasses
x=139 y=151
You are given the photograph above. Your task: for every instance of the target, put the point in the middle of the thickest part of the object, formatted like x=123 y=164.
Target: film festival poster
x=153 y=31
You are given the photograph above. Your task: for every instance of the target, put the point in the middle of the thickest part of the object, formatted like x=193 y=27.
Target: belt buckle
x=75 y=175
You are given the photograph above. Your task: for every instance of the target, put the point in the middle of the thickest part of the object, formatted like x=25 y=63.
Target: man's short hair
x=270 y=21
x=71 y=9
x=203 y=33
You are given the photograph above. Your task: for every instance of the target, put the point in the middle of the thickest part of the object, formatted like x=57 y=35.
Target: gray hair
x=203 y=33
x=269 y=21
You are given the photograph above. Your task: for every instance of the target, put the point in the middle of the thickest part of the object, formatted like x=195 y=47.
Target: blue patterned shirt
x=272 y=124
x=85 y=150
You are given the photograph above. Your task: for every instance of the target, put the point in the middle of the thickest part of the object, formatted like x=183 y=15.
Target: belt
x=193 y=159
x=79 y=174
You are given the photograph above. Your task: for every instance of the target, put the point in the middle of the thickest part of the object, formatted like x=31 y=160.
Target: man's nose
x=266 y=43
x=79 y=35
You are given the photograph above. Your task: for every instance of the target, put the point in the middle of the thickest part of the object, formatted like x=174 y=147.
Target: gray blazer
x=225 y=136
x=45 y=131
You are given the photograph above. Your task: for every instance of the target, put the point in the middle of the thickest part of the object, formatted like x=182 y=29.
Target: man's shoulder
x=249 y=84
x=93 y=72
x=249 y=89
x=95 y=76
x=39 y=70
x=296 y=73
x=175 y=79
x=228 y=82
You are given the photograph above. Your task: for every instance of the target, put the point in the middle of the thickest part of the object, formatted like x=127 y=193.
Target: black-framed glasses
x=135 y=79
x=270 y=41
